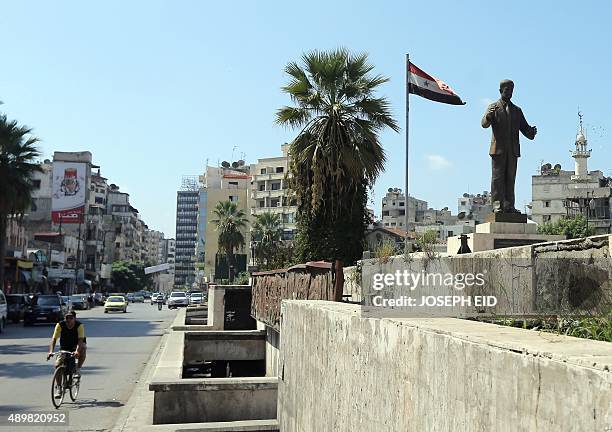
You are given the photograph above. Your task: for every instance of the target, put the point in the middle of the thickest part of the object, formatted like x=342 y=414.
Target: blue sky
x=155 y=89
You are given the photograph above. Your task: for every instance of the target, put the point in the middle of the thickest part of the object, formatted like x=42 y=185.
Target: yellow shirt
x=58 y=331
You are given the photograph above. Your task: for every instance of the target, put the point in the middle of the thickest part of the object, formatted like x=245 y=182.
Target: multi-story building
x=558 y=193
x=186 y=232
x=269 y=191
x=394 y=209
x=474 y=207
x=218 y=184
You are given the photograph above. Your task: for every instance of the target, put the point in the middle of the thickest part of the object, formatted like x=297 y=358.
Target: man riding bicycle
x=71 y=334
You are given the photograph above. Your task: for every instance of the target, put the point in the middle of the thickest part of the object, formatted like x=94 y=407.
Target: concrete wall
x=341 y=372
x=214 y=399
x=548 y=278
x=224 y=345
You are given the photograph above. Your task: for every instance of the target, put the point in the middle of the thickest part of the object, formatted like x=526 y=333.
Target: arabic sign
x=69 y=187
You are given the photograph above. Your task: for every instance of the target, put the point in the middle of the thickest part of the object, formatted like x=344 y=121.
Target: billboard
x=69 y=188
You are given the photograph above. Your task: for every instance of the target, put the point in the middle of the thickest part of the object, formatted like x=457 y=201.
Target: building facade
x=186 y=233
x=394 y=209
x=558 y=193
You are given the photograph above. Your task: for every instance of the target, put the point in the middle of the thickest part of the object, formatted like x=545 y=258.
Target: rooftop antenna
x=233 y=149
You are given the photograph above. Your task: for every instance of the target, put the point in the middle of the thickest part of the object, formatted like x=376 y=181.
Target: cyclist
x=71 y=334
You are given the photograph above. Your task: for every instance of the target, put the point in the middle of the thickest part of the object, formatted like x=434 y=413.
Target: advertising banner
x=69 y=187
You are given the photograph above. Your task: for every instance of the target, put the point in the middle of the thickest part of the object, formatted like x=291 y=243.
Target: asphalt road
x=118 y=347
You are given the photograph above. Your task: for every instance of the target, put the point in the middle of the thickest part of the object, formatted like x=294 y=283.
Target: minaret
x=581 y=155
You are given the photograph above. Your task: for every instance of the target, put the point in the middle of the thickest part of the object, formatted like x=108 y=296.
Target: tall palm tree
x=17 y=165
x=267 y=232
x=230 y=220
x=337 y=154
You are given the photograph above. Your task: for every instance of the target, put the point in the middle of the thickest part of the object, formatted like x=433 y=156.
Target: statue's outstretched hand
x=535 y=131
x=491 y=114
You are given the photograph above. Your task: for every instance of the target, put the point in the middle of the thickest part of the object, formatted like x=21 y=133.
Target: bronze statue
x=506 y=120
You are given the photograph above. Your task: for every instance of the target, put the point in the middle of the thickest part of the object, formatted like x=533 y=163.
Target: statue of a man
x=506 y=120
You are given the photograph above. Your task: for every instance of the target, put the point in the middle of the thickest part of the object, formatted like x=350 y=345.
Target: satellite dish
x=543 y=168
x=461 y=215
x=548 y=166
x=390 y=190
x=445 y=209
x=225 y=164
x=234 y=164
x=241 y=162
x=558 y=167
x=466 y=195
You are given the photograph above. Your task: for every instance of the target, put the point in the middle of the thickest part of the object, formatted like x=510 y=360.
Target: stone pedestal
x=501 y=232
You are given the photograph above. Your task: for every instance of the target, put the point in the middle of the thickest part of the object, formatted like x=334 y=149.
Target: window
x=261 y=203
x=275 y=202
x=546 y=218
x=36 y=184
x=385 y=213
x=262 y=186
x=276 y=186
x=263 y=171
x=233 y=198
x=234 y=183
x=280 y=169
x=402 y=212
x=392 y=224
x=401 y=204
x=450 y=234
x=33 y=205
x=546 y=203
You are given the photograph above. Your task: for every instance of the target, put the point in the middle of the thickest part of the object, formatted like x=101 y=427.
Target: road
x=118 y=347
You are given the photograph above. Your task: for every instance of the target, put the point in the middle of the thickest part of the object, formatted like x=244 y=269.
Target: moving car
x=79 y=301
x=17 y=305
x=115 y=303
x=45 y=308
x=130 y=297
x=195 y=298
x=155 y=296
x=138 y=298
x=68 y=302
x=176 y=299
x=3 y=311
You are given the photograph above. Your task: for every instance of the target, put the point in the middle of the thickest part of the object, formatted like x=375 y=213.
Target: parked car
x=115 y=303
x=17 y=305
x=98 y=298
x=79 y=302
x=45 y=308
x=176 y=299
x=130 y=297
x=138 y=298
x=195 y=298
x=3 y=311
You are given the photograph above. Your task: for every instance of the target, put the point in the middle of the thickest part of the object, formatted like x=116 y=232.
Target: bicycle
x=64 y=379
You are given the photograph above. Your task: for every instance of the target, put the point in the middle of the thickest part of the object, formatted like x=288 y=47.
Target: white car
x=3 y=311
x=176 y=299
x=195 y=298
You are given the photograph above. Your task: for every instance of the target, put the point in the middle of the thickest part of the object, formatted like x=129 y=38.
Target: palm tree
x=230 y=220
x=267 y=232
x=337 y=155
x=17 y=165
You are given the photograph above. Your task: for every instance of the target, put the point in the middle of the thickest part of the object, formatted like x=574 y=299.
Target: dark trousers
x=502 y=181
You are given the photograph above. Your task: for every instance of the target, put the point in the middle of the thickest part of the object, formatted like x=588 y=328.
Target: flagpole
x=407 y=208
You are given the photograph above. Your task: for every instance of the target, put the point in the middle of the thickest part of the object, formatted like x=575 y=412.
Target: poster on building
x=69 y=187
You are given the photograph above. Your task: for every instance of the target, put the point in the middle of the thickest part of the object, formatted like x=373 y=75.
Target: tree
x=18 y=152
x=129 y=276
x=574 y=227
x=337 y=156
x=230 y=220
x=267 y=234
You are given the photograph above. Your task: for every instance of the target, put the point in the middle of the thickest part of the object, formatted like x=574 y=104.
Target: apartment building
x=269 y=191
x=558 y=193
x=394 y=209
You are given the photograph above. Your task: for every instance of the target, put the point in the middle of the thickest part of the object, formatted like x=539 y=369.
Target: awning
x=25 y=264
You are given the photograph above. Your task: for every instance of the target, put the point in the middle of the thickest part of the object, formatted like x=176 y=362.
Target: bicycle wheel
x=58 y=389
x=75 y=384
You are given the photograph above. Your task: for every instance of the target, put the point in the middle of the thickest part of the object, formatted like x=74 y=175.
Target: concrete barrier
x=214 y=400
x=180 y=400
x=341 y=372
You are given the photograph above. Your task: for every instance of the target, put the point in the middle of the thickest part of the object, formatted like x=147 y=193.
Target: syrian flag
x=430 y=88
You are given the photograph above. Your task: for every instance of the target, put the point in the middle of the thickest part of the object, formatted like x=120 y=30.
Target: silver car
x=176 y=299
